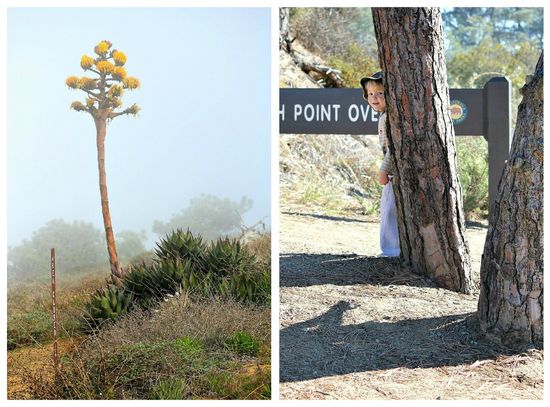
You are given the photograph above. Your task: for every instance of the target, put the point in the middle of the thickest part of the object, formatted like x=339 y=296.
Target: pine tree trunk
x=421 y=139
x=116 y=271
x=510 y=305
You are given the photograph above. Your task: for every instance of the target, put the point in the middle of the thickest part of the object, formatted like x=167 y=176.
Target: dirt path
x=24 y=363
x=355 y=327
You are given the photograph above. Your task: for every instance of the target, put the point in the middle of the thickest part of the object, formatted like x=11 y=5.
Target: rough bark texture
x=284 y=37
x=116 y=270
x=421 y=138
x=510 y=305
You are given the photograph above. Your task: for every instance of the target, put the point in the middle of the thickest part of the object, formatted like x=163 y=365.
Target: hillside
x=326 y=173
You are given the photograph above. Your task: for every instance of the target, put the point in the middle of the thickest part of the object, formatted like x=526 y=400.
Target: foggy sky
x=204 y=125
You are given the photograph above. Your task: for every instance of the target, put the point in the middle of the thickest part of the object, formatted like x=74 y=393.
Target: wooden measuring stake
x=54 y=316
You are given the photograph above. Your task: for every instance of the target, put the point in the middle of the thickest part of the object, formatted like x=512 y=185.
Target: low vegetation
x=164 y=335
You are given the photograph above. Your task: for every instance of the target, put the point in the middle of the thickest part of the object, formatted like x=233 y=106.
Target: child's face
x=375 y=94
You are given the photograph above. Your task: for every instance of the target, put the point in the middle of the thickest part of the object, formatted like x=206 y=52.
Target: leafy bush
x=473 y=172
x=243 y=343
x=168 y=389
x=29 y=328
x=354 y=65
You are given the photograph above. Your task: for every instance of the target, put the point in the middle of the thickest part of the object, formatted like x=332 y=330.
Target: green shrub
x=243 y=343
x=29 y=328
x=188 y=346
x=354 y=65
x=168 y=389
x=473 y=170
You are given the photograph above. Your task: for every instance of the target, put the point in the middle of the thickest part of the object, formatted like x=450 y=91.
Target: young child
x=373 y=92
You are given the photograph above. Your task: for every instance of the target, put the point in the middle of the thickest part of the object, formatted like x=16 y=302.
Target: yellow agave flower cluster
x=108 y=71
x=119 y=58
x=105 y=67
x=131 y=83
x=74 y=82
x=102 y=48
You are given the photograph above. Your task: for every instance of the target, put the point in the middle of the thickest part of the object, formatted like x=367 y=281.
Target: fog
x=204 y=127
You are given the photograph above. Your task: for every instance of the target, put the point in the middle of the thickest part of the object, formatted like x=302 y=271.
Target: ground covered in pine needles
x=355 y=326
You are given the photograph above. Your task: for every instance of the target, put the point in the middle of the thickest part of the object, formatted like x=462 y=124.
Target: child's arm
x=383 y=178
x=385 y=169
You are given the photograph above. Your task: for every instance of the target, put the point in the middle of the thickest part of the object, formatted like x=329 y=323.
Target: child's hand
x=383 y=178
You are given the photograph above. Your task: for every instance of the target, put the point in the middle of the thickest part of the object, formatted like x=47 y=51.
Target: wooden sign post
x=54 y=316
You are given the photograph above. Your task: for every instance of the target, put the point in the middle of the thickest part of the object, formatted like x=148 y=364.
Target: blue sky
x=204 y=126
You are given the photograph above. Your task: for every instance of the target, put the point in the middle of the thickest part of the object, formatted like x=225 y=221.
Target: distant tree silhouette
x=208 y=215
x=104 y=99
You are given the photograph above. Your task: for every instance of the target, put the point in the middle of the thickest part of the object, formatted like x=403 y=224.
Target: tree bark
x=285 y=42
x=510 y=307
x=116 y=270
x=421 y=139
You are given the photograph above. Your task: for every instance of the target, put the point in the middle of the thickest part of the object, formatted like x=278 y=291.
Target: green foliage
x=184 y=262
x=486 y=42
x=169 y=389
x=223 y=267
x=243 y=343
x=150 y=283
x=468 y=26
x=29 y=328
x=328 y=31
x=354 y=65
x=226 y=257
x=108 y=303
x=209 y=216
x=473 y=169
x=188 y=346
x=473 y=67
x=179 y=245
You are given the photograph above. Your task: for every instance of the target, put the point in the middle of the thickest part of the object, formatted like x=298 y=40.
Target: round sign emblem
x=459 y=111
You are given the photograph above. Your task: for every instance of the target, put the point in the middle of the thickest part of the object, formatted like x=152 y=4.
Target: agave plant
x=228 y=256
x=108 y=303
x=182 y=246
x=250 y=287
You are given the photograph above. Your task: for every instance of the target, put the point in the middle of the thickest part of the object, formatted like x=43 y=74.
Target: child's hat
x=378 y=76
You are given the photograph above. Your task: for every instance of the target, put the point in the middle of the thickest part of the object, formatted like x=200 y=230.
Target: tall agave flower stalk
x=103 y=102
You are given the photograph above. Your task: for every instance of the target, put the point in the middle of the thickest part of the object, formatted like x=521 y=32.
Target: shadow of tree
x=302 y=270
x=325 y=217
x=322 y=346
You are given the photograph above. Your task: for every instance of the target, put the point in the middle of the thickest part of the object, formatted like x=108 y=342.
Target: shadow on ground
x=325 y=217
x=322 y=346
x=303 y=270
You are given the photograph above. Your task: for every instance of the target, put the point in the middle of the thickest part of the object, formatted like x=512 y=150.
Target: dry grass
x=261 y=247
x=179 y=347
x=29 y=308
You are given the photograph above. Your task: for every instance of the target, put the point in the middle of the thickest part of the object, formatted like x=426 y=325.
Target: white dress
x=389 y=233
